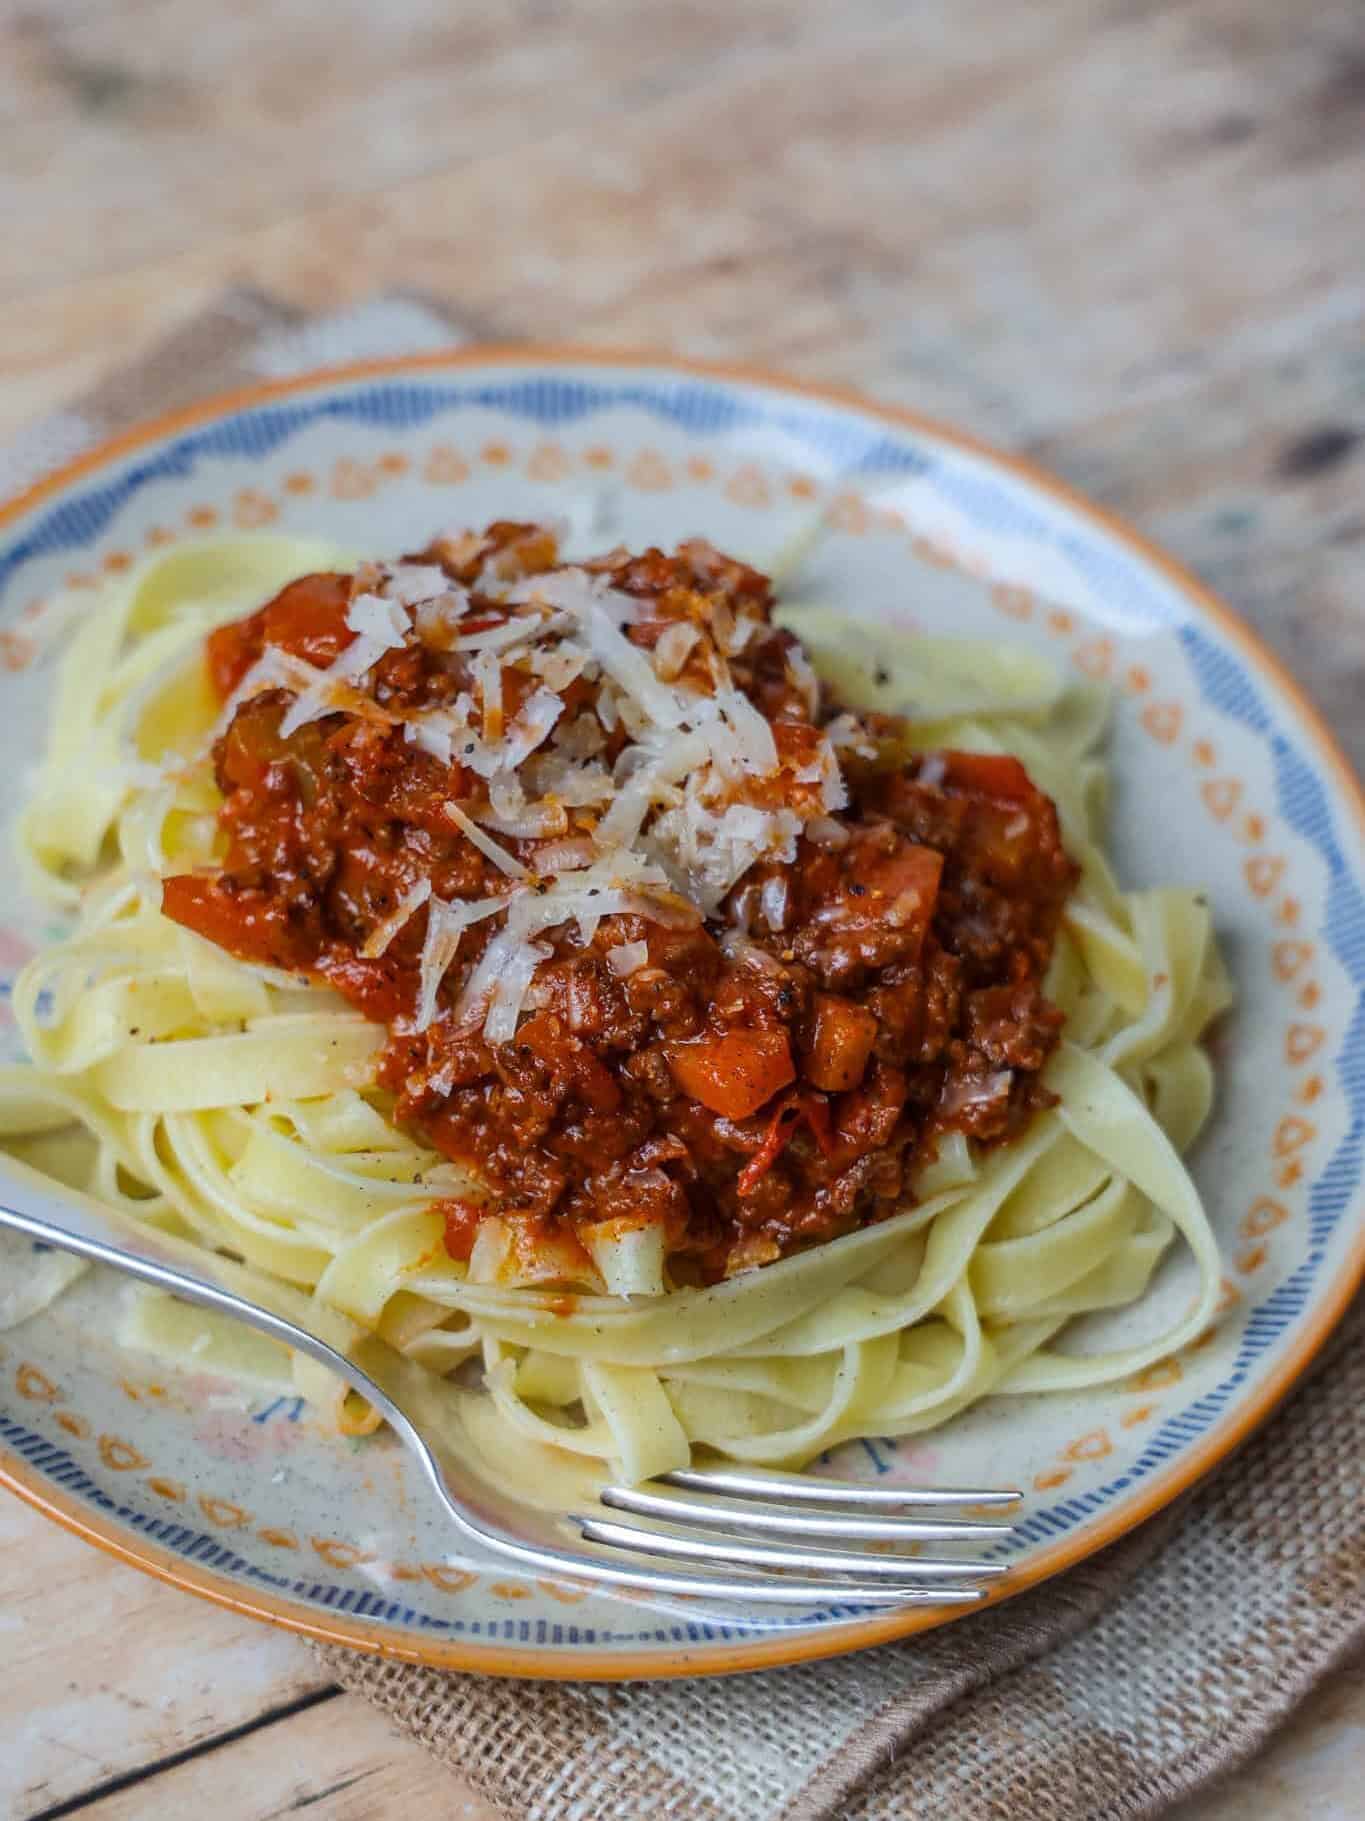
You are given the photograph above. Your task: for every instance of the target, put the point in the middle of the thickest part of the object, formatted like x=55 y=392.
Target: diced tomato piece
x=840 y=1041
x=307 y=619
x=990 y=774
x=231 y=650
x=379 y=986
x=250 y=924
x=781 y=1131
x=733 y=1073
x=251 y=745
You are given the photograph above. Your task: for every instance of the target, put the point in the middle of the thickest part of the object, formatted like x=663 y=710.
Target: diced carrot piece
x=840 y=1042
x=910 y=868
x=734 y=1073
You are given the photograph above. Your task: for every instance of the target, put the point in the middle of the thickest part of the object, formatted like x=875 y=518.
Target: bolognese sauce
x=833 y=956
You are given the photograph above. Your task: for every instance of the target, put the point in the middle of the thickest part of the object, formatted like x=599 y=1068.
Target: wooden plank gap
x=145 y=1772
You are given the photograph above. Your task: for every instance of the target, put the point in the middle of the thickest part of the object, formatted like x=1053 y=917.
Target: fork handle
x=55 y=1215
x=49 y=1212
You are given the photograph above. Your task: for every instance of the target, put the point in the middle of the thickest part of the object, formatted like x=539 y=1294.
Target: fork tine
x=794 y=1589
x=747 y=1482
x=750 y=1515
x=853 y=1562
x=786 y=1590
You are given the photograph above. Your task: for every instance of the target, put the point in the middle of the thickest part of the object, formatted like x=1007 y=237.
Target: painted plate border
x=771 y=1651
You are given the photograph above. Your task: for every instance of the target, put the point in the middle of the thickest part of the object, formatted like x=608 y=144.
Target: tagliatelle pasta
x=237 y=1104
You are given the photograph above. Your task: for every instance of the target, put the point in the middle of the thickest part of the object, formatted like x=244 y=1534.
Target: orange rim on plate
x=769 y=1652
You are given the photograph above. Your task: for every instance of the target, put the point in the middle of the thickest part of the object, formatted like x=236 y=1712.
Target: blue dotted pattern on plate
x=711 y=408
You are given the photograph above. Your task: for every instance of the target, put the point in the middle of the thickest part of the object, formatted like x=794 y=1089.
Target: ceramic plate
x=1224 y=777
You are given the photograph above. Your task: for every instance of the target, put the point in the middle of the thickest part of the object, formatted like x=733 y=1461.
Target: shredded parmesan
x=428 y=735
x=411 y=583
x=627 y=958
x=487 y=846
x=558 y=665
x=846 y=733
x=664 y=832
x=773 y=899
x=565 y=856
x=675 y=645
x=824 y=831
x=446 y=923
x=588 y=598
x=438 y=620
x=533 y=724
x=386 y=622
x=379 y=938
x=272 y=670
x=510 y=989
x=510 y=813
x=320 y=697
x=515 y=631
x=757 y=746
x=486 y=670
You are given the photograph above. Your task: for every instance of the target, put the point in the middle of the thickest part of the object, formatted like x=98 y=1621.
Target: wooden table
x=1128 y=238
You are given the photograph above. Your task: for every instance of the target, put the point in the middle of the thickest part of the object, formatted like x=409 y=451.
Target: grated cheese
x=534 y=722
x=428 y=735
x=675 y=645
x=516 y=631
x=487 y=846
x=773 y=901
x=411 y=583
x=510 y=989
x=758 y=749
x=627 y=958
x=510 y=813
x=438 y=620
x=565 y=856
x=320 y=697
x=486 y=670
x=379 y=938
x=588 y=598
x=373 y=617
x=446 y=924
x=666 y=833
x=559 y=665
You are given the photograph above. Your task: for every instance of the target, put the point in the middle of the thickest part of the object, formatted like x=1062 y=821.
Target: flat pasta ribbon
x=234 y=1107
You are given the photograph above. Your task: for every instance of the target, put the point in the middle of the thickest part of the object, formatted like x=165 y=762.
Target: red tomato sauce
x=756 y=1089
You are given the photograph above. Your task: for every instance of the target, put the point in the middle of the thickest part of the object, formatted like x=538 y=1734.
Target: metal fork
x=727 y=1533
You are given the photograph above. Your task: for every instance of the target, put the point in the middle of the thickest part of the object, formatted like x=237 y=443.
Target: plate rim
x=780 y=1650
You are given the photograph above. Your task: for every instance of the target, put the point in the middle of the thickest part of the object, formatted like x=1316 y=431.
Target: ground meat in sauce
x=764 y=1082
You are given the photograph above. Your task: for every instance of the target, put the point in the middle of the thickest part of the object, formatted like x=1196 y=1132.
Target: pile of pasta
x=233 y=1106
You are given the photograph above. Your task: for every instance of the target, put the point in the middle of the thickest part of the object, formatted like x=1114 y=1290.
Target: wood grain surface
x=1125 y=236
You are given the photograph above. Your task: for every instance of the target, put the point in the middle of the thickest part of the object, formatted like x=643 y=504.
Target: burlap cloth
x=1111 y=1691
